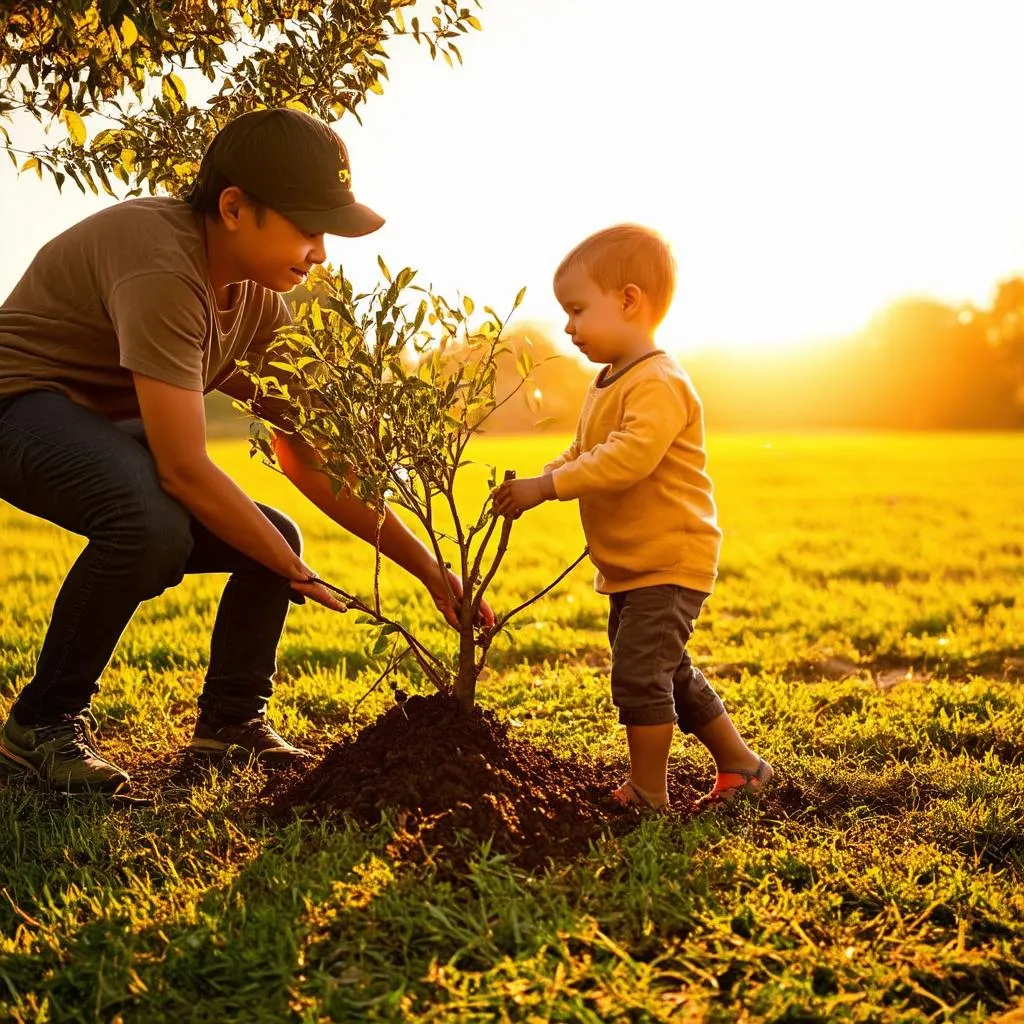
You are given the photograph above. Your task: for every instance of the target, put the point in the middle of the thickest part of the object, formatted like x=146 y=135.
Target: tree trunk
x=465 y=682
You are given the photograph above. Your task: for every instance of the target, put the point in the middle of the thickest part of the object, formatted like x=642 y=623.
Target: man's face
x=274 y=252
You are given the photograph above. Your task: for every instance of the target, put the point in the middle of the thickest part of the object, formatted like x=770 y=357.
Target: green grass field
x=867 y=635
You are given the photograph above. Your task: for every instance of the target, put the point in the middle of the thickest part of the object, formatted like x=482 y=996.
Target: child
x=637 y=466
x=107 y=346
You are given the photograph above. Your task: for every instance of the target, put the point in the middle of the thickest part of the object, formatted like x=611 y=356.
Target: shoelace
x=75 y=730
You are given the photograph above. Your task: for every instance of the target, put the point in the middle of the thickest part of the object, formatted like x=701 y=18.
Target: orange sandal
x=629 y=796
x=751 y=785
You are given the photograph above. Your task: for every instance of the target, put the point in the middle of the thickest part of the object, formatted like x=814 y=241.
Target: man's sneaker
x=61 y=754
x=252 y=739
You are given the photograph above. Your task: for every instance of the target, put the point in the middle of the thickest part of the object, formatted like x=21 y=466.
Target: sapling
x=387 y=389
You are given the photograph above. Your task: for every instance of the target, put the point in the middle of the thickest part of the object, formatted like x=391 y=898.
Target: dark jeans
x=71 y=466
x=654 y=681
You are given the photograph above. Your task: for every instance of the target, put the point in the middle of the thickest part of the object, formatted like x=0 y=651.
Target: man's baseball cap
x=297 y=165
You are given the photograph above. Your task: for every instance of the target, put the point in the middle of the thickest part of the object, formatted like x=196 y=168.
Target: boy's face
x=597 y=321
x=273 y=251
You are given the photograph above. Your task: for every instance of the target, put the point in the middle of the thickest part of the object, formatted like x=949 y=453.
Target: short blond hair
x=627 y=254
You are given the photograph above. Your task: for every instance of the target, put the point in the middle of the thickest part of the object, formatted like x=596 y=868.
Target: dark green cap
x=297 y=165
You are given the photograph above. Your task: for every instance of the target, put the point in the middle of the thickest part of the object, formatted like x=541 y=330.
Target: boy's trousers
x=71 y=466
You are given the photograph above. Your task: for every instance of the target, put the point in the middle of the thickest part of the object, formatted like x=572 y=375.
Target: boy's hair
x=204 y=194
x=627 y=254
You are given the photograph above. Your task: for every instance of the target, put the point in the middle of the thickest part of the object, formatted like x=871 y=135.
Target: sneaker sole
x=266 y=758
x=8 y=755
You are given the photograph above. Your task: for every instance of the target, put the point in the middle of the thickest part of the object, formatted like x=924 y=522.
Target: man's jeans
x=71 y=466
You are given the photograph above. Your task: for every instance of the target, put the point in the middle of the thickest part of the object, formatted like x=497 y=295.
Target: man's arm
x=303 y=468
x=175 y=423
x=397 y=541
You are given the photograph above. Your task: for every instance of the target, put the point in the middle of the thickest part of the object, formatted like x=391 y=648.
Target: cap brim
x=351 y=221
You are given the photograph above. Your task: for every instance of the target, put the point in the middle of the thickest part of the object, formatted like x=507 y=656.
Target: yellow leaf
x=173 y=89
x=475 y=22
x=377 y=87
x=297 y=105
x=128 y=159
x=65 y=92
x=129 y=33
x=32 y=164
x=75 y=127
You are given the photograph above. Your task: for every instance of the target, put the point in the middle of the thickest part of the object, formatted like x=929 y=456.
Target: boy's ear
x=230 y=204
x=632 y=298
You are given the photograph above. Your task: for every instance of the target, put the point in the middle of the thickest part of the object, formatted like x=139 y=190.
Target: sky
x=809 y=161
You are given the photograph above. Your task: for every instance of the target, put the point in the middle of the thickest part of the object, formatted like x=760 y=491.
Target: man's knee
x=152 y=541
x=285 y=526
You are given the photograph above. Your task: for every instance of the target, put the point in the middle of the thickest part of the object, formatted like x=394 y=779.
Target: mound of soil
x=446 y=774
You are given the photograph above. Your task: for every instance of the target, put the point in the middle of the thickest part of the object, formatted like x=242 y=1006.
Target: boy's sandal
x=627 y=795
x=752 y=785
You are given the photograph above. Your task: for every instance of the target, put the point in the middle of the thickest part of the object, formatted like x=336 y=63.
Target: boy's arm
x=652 y=419
x=515 y=496
x=570 y=453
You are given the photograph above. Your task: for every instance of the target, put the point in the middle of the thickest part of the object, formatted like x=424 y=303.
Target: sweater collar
x=604 y=379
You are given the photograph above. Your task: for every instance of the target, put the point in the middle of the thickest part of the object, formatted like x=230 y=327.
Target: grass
x=866 y=636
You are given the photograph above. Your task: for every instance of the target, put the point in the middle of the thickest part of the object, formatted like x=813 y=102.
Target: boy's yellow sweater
x=637 y=466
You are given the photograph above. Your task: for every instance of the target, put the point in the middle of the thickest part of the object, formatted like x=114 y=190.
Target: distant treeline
x=918 y=365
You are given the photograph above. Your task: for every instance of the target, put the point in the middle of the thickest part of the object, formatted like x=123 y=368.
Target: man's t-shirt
x=127 y=290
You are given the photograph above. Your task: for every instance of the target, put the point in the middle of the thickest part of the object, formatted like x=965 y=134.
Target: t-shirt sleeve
x=161 y=324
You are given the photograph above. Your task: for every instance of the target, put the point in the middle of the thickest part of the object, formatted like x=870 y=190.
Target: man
x=107 y=345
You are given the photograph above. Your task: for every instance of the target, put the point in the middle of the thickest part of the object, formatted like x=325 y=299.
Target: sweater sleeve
x=569 y=455
x=652 y=418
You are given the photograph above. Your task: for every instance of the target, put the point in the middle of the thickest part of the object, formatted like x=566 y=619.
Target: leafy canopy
x=109 y=76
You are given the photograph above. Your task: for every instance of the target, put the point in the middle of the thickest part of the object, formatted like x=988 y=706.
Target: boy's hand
x=516 y=496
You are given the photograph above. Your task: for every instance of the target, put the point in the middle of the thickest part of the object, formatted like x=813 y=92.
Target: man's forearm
x=397 y=541
x=213 y=498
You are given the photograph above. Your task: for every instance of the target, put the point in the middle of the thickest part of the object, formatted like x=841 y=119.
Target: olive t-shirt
x=127 y=290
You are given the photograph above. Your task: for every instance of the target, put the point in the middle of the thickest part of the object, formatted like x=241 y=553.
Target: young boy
x=107 y=346
x=637 y=466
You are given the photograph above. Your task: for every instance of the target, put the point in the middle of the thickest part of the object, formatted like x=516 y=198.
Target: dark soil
x=449 y=777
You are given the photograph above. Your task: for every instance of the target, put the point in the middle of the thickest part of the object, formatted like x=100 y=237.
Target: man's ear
x=632 y=299
x=230 y=204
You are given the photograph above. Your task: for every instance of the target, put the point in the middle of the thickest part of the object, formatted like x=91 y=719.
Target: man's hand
x=515 y=496
x=319 y=593
x=435 y=585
